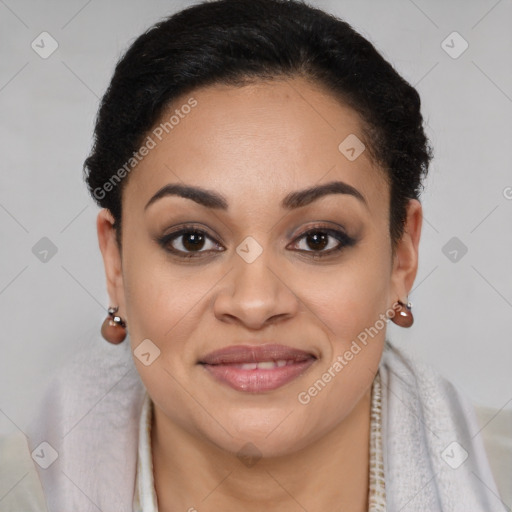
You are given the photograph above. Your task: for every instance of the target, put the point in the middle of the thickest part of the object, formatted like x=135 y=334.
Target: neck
x=331 y=473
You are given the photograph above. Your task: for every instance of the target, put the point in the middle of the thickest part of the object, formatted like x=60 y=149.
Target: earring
x=113 y=328
x=403 y=317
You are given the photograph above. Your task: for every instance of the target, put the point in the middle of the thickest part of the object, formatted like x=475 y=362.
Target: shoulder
x=444 y=404
x=19 y=482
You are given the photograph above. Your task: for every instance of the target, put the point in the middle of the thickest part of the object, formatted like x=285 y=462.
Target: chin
x=259 y=447
x=266 y=436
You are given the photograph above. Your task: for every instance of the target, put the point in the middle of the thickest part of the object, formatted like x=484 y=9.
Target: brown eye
x=193 y=241
x=187 y=241
x=317 y=240
x=323 y=241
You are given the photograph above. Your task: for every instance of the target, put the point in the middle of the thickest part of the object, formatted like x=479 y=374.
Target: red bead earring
x=113 y=328
x=403 y=317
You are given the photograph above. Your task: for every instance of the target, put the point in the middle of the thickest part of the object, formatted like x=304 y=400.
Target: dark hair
x=235 y=41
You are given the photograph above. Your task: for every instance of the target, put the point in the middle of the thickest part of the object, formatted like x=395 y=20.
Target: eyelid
x=185 y=228
x=165 y=241
x=338 y=233
x=322 y=224
x=325 y=226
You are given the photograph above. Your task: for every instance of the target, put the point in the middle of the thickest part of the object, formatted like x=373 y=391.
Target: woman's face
x=258 y=265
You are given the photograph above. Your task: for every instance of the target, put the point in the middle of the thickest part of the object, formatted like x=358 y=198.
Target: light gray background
x=49 y=310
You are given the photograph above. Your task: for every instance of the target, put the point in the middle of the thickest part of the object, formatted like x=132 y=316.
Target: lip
x=239 y=354
x=227 y=366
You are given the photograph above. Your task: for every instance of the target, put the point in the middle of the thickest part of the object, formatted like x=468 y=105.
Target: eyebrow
x=293 y=200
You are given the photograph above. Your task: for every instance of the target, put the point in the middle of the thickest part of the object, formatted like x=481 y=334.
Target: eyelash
x=344 y=239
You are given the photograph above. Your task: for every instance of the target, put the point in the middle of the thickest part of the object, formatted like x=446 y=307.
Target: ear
x=111 y=258
x=405 y=263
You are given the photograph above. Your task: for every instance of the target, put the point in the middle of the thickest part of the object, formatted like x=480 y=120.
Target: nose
x=255 y=294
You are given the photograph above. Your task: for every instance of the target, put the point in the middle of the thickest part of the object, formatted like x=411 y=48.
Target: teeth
x=249 y=366
x=264 y=365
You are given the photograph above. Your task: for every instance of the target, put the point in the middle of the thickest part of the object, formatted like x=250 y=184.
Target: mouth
x=257 y=368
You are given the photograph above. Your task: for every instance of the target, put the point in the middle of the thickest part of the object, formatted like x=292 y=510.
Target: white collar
x=145 y=499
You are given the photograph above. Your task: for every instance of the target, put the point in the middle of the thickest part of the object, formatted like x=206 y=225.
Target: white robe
x=434 y=457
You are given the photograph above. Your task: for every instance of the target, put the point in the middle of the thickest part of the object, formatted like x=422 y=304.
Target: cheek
x=349 y=297
x=154 y=287
x=349 y=304
x=165 y=302
x=162 y=303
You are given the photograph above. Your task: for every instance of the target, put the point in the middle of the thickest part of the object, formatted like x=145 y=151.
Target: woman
x=258 y=165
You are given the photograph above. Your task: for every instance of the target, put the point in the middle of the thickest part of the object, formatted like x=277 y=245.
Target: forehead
x=251 y=141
